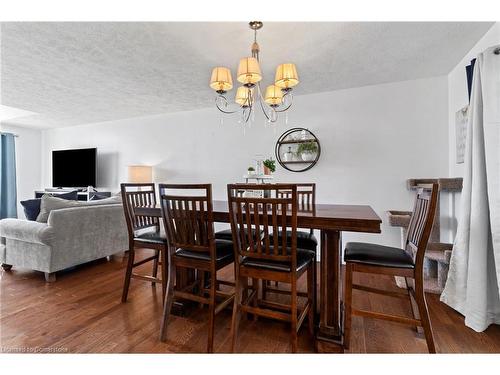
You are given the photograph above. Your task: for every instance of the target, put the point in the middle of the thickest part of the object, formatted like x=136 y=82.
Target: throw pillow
x=32 y=206
x=98 y=196
x=115 y=199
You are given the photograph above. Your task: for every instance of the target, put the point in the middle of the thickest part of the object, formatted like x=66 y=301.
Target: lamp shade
x=243 y=96
x=221 y=79
x=274 y=95
x=140 y=173
x=286 y=76
x=249 y=71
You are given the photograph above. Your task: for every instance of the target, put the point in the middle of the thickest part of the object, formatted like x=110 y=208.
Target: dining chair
x=407 y=263
x=306 y=195
x=306 y=198
x=144 y=233
x=188 y=219
x=259 y=258
x=227 y=234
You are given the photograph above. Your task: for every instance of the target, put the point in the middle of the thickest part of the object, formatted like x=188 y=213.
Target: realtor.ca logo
x=33 y=349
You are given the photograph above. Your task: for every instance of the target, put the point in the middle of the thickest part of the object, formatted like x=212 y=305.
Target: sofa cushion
x=32 y=206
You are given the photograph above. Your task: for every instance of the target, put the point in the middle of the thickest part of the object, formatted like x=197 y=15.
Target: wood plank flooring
x=81 y=313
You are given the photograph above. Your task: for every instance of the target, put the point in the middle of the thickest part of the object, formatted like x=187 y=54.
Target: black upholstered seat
x=377 y=255
x=224 y=252
x=227 y=234
x=304 y=257
x=151 y=237
x=305 y=240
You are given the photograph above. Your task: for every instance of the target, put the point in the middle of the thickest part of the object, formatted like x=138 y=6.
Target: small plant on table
x=269 y=166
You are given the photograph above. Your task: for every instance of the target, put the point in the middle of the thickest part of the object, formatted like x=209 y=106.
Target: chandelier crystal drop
x=249 y=96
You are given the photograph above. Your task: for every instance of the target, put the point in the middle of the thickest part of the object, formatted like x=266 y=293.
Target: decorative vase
x=308 y=156
x=288 y=156
x=267 y=171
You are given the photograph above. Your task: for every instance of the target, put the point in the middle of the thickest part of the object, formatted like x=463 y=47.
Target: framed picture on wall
x=461 y=118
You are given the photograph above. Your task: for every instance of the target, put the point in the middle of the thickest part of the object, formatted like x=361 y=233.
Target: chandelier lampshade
x=274 y=95
x=243 y=96
x=221 y=80
x=249 y=71
x=286 y=76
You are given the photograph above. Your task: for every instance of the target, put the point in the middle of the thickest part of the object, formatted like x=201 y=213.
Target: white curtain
x=474 y=278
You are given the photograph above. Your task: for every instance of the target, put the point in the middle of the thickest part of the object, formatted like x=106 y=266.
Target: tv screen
x=74 y=168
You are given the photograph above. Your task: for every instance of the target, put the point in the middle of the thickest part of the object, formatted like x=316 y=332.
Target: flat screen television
x=74 y=168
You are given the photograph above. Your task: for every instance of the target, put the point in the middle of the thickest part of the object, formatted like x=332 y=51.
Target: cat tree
x=437 y=254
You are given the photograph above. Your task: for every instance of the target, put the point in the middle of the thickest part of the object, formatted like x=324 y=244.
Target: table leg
x=329 y=336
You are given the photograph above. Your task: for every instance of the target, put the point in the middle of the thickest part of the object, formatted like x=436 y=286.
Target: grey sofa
x=70 y=237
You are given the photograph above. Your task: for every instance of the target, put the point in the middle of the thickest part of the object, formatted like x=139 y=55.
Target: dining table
x=331 y=220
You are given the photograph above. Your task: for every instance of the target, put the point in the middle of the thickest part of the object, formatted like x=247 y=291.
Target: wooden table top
x=351 y=218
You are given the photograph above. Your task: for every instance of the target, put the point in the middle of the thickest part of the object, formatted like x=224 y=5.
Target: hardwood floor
x=81 y=313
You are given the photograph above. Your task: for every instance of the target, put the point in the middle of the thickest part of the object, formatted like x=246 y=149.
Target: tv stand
x=82 y=195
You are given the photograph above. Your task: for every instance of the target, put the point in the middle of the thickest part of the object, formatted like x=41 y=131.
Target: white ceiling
x=76 y=73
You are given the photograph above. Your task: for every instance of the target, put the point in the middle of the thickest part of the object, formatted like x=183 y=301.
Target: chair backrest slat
x=265 y=226
x=188 y=217
x=248 y=222
x=275 y=229
x=421 y=221
x=258 y=243
x=254 y=219
x=283 y=207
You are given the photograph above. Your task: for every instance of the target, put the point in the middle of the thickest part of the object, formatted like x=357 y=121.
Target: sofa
x=71 y=236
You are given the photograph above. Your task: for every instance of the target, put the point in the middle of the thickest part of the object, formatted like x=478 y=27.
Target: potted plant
x=307 y=151
x=251 y=170
x=269 y=166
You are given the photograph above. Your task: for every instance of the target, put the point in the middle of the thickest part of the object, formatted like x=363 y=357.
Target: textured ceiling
x=76 y=73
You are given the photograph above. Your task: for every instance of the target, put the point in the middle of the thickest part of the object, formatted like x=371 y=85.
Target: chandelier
x=277 y=98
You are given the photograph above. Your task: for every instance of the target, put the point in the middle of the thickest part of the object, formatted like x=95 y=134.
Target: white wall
x=372 y=138
x=457 y=99
x=28 y=151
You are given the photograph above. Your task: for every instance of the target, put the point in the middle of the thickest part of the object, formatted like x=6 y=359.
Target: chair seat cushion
x=227 y=234
x=152 y=238
x=377 y=255
x=304 y=258
x=224 y=252
x=305 y=240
